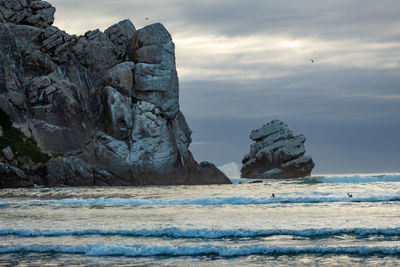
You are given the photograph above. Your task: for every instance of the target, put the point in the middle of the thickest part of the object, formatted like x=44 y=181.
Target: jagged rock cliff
x=103 y=106
x=276 y=153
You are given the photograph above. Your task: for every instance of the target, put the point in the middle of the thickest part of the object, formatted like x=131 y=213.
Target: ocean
x=310 y=221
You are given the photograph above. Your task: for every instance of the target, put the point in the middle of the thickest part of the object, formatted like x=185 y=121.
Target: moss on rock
x=18 y=142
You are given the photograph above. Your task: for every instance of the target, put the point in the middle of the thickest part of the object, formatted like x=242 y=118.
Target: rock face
x=276 y=153
x=103 y=106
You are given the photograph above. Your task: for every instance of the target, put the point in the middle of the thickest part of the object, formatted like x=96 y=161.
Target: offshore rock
x=276 y=153
x=104 y=106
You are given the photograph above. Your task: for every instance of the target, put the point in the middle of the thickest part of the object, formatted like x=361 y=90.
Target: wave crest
x=359 y=178
x=203 y=201
x=204 y=233
x=143 y=250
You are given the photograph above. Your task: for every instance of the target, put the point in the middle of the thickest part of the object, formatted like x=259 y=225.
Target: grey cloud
x=327 y=19
x=365 y=19
x=334 y=95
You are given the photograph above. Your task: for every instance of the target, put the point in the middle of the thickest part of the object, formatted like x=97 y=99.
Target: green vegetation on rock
x=18 y=142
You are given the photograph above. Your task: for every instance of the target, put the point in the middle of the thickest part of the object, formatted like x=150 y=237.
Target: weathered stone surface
x=121 y=77
x=111 y=156
x=120 y=34
x=37 y=5
x=105 y=106
x=97 y=56
x=59 y=116
x=152 y=78
x=119 y=114
x=182 y=135
x=73 y=171
x=11 y=75
x=13 y=177
x=154 y=147
x=156 y=79
x=35 y=13
x=208 y=173
x=36 y=63
x=42 y=17
x=276 y=153
x=8 y=154
x=268 y=130
x=35 y=88
x=170 y=108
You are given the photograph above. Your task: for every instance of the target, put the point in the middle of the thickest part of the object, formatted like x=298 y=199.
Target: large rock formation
x=104 y=107
x=276 y=153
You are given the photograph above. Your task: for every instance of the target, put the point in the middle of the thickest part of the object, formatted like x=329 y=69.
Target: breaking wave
x=231 y=170
x=359 y=178
x=203 y=233
x=202 y=201
x=144 y=250
x=355 y=179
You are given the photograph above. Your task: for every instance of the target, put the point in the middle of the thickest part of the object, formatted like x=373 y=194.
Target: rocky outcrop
x=35 y=13
x=104 y=107
x=13 y=177
x=276 y=153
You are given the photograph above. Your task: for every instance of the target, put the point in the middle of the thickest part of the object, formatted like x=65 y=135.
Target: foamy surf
x=143 y=250
x=174 y=232
x=350 y=179
x=62 y=226
x=358 y=179
x=203 y=201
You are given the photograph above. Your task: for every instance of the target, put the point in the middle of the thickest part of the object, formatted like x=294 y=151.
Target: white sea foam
x=203 y=201
x=359 y=178
x=144 y=250
x=204 y=233
x=232 y=170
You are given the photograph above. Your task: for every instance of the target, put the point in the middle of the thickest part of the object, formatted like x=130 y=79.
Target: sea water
x=310 y=221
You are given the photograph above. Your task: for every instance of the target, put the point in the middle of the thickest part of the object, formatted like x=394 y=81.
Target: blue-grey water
x=310 y=221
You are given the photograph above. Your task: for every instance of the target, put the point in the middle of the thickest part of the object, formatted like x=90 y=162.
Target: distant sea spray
x=231 y=170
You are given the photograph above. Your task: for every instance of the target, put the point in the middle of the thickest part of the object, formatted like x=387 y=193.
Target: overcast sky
x=242 y=64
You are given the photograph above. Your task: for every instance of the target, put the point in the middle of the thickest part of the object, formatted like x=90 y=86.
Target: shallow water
x=311 y=221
